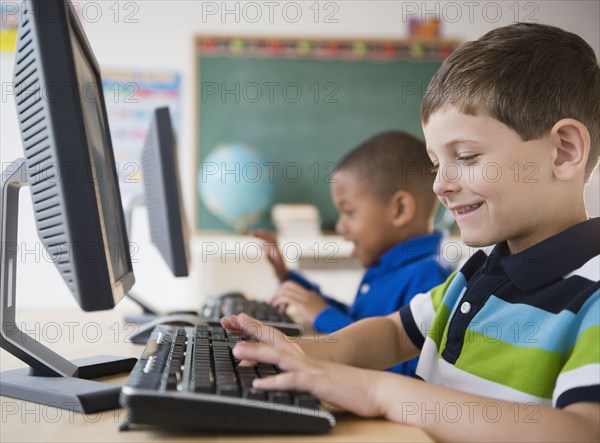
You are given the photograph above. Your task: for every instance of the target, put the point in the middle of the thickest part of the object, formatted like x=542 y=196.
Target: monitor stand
x=147 y=315
x=50 y=379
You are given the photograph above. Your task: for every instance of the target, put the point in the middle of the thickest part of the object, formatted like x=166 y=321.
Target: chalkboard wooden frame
x=238 y=73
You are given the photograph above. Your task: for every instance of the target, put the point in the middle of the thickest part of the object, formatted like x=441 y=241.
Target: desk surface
x=77 y=334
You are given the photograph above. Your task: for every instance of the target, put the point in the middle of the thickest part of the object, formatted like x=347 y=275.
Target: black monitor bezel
x=81 y=197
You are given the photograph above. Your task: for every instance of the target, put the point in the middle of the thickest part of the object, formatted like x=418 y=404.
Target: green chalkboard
x=303 y=114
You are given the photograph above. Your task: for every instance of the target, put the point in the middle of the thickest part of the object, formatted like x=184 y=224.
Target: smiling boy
x=511 y=342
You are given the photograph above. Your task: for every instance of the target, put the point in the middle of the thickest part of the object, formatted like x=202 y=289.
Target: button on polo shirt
x=465 y=308
x=485 y=283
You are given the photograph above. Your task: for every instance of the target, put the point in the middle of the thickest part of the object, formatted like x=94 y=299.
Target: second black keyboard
x=216 y=307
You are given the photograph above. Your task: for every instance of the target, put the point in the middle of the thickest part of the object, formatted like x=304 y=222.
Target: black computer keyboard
x=187 y=378
x=217 y=307
x=235 y=303
x=257 y=309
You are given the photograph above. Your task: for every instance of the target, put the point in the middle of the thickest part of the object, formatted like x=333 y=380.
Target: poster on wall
x=9 y=22
x=131 y=97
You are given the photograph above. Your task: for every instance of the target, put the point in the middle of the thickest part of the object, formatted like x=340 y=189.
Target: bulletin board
x=303 y=104
x=131 y=96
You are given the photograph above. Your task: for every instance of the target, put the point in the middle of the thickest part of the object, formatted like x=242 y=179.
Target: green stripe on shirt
x=529 y=370
x=586 y=351
x=437 y=331
x=438 y=293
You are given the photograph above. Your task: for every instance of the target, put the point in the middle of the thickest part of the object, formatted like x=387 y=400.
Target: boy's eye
x=434 y=169
x=467 y=158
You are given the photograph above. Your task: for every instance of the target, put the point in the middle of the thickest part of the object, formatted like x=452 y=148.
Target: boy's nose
x=339 y=227
x=447 y=180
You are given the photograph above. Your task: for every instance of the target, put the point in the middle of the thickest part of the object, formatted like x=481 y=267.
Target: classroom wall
x=159 y=34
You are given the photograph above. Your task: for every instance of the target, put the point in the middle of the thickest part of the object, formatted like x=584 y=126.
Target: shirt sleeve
x=418 y=317
x=302 y=281
x=332 y=319
x=579 y=379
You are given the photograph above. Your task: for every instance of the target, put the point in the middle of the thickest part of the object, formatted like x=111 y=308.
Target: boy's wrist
x=283 y=274
x=380 y=395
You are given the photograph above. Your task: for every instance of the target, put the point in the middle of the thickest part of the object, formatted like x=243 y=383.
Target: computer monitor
x=162 y=193
x=69 y=164
x=162 y=196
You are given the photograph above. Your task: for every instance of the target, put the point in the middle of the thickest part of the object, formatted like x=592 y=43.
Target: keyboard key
x=254 y=394
x=265 y=370
x=228 y=390
x=282 y=397
x=172 y=382
x=306 y=401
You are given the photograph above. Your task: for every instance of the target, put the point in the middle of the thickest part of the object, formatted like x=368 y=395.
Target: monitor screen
x=162 y=193
x=96 y=131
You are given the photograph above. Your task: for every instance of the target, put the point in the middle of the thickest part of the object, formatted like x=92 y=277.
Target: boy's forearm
x=373 y=343
x=450 y=415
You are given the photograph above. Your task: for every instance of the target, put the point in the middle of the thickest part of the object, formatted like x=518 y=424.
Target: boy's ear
x=571 y=140
x=402 y=208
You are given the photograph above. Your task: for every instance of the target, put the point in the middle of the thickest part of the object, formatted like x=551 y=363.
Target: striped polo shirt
x=522 y=327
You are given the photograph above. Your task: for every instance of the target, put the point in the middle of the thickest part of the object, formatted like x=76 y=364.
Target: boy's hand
x=346 y=387
x=273 y=253
x=308 y=303
x=252 y=329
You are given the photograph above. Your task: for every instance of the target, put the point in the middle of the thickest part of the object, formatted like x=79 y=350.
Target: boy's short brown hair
x=526 y=75
x=391 y=161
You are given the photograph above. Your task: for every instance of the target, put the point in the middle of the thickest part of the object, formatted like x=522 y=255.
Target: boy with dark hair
x=510 y=345
x=382 y=190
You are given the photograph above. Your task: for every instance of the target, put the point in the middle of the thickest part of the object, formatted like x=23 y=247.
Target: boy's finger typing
x=252 y=329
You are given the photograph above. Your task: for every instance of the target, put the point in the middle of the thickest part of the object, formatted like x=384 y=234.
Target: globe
x=235 y=185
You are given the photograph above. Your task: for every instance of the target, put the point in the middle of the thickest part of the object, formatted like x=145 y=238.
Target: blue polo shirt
x=403 y=271
x=522 y=327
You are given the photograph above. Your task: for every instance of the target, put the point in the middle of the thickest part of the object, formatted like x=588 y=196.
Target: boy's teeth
x=467 y=208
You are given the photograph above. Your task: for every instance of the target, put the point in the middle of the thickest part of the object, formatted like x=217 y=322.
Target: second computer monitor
x=160 y=169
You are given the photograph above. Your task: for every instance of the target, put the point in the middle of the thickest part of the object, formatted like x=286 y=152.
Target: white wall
x=160 y=34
